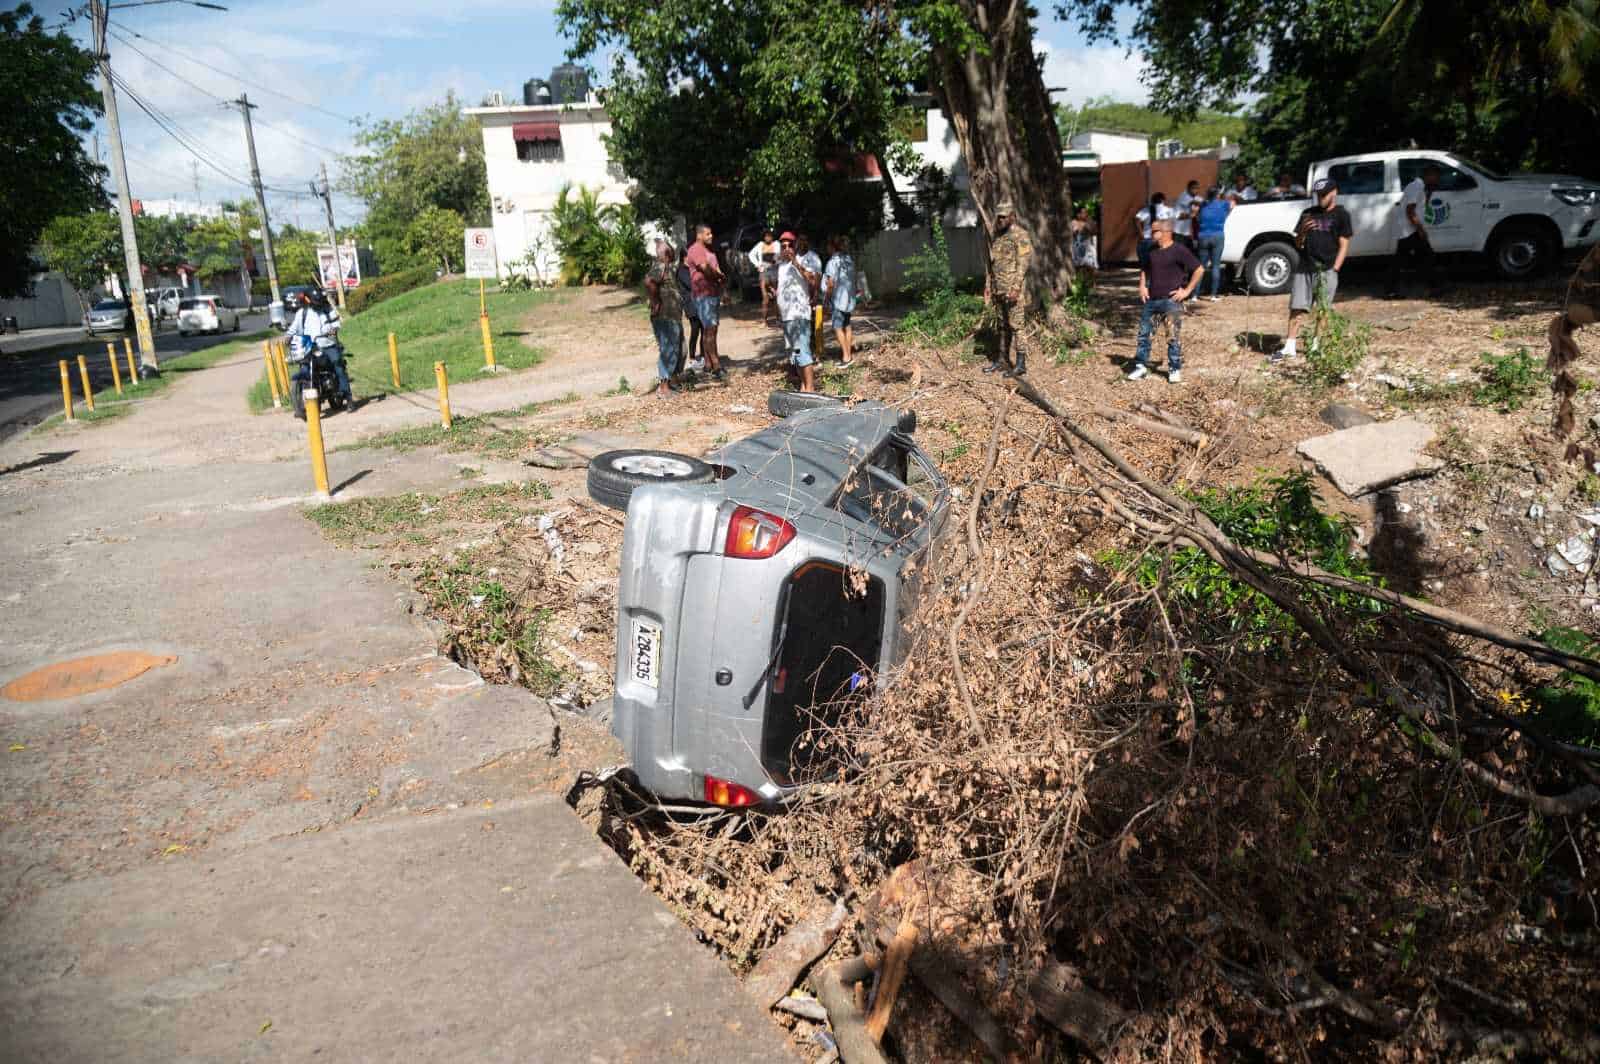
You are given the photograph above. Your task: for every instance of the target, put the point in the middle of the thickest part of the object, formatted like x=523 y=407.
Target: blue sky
x=362 y=58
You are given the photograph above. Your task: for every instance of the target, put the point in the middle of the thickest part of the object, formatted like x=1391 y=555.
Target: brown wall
x=1125 y=187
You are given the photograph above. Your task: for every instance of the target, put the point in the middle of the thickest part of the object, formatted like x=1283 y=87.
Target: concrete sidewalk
x=500 y=934
x=300 y=777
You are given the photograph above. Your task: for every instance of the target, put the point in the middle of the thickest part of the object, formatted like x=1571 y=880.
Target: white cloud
x=1085 y=72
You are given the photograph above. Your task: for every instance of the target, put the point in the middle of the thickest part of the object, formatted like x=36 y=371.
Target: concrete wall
x=883 y=257
x=54 y=302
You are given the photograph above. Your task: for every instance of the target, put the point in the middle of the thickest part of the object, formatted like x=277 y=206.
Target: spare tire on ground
x=782 y=404
x=614 y=474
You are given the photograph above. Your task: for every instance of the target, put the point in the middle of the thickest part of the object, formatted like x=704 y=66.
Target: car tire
x=1519 y=252
x=1269 y=269
x=782 y=404
x=614 y=474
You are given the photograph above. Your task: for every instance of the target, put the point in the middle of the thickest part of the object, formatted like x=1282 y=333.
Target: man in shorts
x=1322 y=236
x=795 y=284
x=839 y=294
x=705 y=286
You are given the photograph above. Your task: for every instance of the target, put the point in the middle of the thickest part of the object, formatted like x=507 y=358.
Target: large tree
x=721 y=104
x=432 y=157
x=47 y=83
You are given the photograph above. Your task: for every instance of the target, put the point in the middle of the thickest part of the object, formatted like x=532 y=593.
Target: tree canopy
x=47 y=83
x=1503 y=83
x=433 y=157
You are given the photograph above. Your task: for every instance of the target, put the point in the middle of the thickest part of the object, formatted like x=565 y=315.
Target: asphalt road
x=30 y=382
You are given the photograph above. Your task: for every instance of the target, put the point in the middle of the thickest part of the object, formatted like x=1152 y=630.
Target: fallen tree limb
x=896 y=960
x=1067 y=1005
x=781 y=967
x=942 y=978
x=803 y=1007
x=1161 y=415
x=835 y=987
x=1192 y=437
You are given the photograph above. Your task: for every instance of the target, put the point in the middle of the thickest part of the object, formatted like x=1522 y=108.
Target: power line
x=234 y=74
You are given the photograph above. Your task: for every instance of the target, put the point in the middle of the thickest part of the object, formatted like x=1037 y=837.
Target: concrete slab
x=487 y=934
x=577 y=451
x=1366 y=458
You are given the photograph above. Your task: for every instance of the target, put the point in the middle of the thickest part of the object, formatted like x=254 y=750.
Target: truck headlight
x=1578 y=197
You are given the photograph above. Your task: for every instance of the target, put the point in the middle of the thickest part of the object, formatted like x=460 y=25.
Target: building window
x=539 y=151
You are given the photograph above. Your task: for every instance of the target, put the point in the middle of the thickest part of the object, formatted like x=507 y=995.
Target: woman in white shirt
x=764 y=257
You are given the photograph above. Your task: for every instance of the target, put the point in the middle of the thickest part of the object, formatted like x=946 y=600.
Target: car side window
x=1358 y=178
x=1450 y=178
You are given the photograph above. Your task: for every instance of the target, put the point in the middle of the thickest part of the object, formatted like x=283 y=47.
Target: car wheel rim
x=652 y=465
x=1518 y=256
x=1272 y=271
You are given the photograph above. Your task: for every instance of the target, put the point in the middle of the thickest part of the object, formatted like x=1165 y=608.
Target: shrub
x=1337 y=345
x=387 y=286
x=944 y=315
x=1507 y=380
x=1568 y=709
x=597 y=244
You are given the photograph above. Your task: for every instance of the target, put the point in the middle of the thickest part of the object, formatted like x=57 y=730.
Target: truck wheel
x=1519 y=252
x=1268 y=269
x=614 y=474
x=782 y=404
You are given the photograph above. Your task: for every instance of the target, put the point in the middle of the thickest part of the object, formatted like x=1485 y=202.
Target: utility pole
x=98 y=13
x=333 y=233
x=261 y=197
x=194 y=171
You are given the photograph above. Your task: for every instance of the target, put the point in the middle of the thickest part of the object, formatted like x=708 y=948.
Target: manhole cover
x=81 y=676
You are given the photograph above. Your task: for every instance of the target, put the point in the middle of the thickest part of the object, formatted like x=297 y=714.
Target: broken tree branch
x=782 y=966
x=836 y=990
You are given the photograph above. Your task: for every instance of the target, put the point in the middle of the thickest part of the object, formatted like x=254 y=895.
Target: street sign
x=480 y=253
x=328 y=265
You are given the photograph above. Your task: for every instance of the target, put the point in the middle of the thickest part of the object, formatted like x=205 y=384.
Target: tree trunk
x=1002 y=116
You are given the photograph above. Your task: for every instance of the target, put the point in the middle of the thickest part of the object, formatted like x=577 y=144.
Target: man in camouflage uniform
x=1009 y=253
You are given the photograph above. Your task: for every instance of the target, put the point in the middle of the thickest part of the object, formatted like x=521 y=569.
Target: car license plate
x=646 y=653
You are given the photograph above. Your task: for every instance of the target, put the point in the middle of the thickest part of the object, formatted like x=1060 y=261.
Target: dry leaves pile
x=1239 y=844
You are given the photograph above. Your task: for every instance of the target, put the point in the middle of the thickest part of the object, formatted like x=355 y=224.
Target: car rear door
x=1368 y=192
x=1453 y=212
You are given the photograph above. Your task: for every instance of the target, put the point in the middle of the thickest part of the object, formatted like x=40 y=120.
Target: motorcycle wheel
x=297 y=394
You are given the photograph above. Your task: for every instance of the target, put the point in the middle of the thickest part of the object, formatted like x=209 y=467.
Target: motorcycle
x=314 y=369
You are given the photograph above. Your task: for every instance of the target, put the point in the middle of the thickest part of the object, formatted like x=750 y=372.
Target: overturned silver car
x=760 y=587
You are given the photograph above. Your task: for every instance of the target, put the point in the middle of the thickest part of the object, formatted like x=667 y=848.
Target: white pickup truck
x=1521 y=221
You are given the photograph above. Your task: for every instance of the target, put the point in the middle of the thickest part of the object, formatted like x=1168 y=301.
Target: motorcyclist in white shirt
x=318 y=321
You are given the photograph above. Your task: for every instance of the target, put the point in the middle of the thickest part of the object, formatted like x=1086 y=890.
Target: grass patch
x=1336 y=345
x=1508 y=380
x=437 y=323
x=109 y=405
x=492 y=631
x=414 y=511
x=838 y=380
x=479 y=434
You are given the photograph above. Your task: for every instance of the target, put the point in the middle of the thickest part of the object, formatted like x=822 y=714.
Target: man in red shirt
x=705 y=291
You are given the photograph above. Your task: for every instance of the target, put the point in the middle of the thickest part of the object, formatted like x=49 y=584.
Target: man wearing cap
x=1322 y=237
x=1009 y=253
x=795 y=283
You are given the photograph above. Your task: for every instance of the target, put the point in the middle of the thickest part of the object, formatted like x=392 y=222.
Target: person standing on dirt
x=839 y=295
x=1411 y=233
x=1322 y=236
x=1210 y=224
x=764 y=257
x=1009 y=253
x=1183 y=213
x=1171 y=277
x=795 y=285
x=705 y=286
x=689 y=356
x=1145 y=217
x=666 y=315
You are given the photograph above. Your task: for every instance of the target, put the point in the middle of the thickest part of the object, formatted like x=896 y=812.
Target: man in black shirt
x=1322 y=237
x=1168 y=277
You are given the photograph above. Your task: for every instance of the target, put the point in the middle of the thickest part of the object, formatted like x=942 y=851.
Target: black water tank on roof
x=569 y=83
x=535 y=91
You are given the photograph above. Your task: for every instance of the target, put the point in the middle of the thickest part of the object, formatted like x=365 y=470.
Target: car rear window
x=830 y=636
x=109 y=304
x=195 y=304
x=892 y=491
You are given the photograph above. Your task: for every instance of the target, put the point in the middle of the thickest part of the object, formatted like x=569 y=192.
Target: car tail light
x=757 y=534
x=724 y=793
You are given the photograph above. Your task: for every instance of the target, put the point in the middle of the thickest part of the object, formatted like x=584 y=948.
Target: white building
x=531 y=151
x=177 y=208
x=1110 y=145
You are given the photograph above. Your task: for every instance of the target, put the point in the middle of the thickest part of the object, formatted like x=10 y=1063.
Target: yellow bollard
x=133 y=374
x=394 y=361
x=816 y=333
x=444 y=393
x=83 y=375
x=66 y=391
x=319 y=458
x=272 y=374
x=116 y=374
x=488 y=343
x=281 y=360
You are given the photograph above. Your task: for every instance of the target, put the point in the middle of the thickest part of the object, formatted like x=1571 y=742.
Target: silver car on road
x=761 y=589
